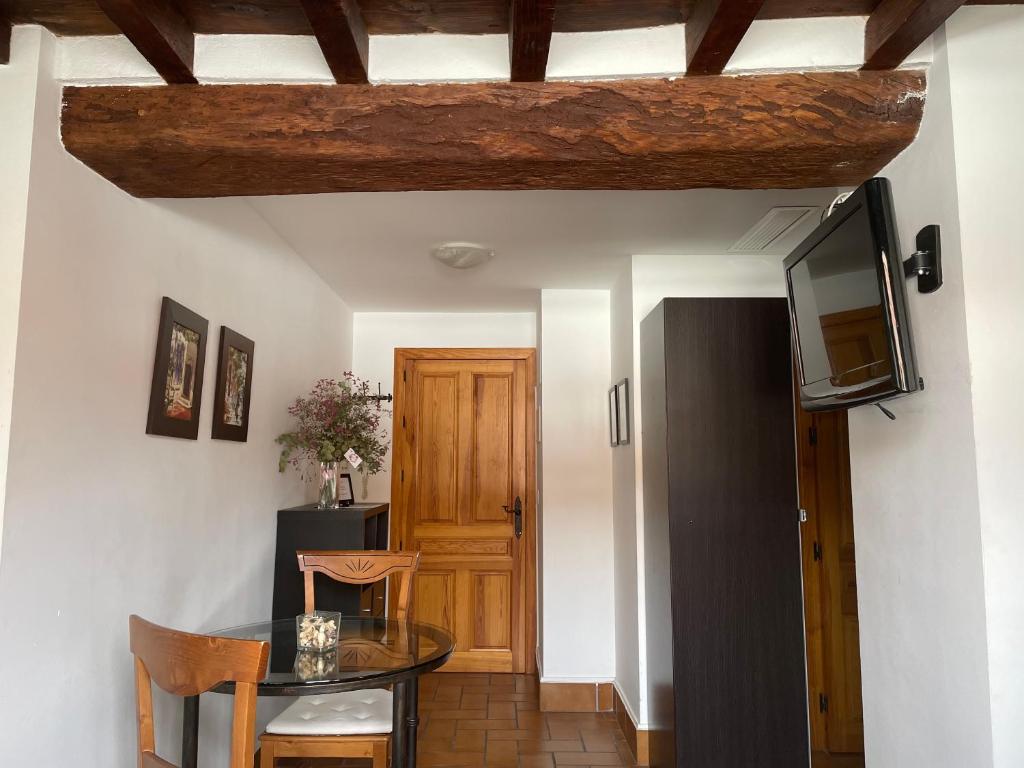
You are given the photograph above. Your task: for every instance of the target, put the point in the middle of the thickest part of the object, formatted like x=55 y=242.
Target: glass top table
x=371 y=653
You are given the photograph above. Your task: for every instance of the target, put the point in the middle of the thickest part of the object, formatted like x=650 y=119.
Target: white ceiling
x=373 y=248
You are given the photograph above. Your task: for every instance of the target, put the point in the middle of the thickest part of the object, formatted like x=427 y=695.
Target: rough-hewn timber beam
x=713 y=31
x=529 y=38
x=160 y=33
x=787 y=130
x=339 y=28
x=896 y=27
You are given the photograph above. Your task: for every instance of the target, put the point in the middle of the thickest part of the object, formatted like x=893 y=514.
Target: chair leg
x=267 y=754
x=380 y=754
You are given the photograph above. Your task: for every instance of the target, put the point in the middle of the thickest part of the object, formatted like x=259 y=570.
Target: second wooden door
x=463 y=495
x=830 y=587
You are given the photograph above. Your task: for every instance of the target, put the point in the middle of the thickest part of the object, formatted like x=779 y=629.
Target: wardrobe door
x=733 y=532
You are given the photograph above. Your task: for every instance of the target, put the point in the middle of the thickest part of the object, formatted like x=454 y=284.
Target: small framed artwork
x=613 y=416
x=622 y=413
x=177 y=389
x=346 y=496
x=234 y=387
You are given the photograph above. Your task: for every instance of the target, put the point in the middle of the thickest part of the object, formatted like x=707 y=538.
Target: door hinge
x=812 y=434
x=817 y=551
x=803 y=515
x=823 y=703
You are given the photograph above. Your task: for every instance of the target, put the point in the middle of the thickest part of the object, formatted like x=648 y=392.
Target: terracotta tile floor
x=478 y=720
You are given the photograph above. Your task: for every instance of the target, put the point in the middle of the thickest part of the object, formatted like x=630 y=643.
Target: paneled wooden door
x=830 y=587
x=464 y=461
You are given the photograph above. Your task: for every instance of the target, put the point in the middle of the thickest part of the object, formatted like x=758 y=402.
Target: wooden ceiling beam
x=339 y=28
x=713 y=32
x=529 y=38
x=160 y=33
x=896 y=27
x=772 y=131
x=410 y=17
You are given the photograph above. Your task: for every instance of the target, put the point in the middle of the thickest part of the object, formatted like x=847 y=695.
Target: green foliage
x=336 y=416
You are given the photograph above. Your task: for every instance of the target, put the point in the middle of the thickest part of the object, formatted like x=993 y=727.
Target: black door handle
x=517 y=511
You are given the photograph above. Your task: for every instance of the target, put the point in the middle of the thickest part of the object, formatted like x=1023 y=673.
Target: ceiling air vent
x=776 y=226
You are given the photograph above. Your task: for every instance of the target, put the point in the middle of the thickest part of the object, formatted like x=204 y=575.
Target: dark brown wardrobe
x=725 y=643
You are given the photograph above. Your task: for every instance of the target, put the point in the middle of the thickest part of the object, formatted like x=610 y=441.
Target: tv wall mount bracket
x=926 y=262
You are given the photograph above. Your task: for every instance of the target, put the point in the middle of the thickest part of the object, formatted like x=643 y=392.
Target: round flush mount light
x=462 y=255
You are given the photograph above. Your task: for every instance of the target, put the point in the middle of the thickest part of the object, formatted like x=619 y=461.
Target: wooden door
x=830 y=585
x=464 y=452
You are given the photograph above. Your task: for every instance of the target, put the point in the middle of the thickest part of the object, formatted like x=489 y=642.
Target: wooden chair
x=299 y=731
x=187 y=665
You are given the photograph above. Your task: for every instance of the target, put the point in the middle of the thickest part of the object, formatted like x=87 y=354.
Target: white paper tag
x=353 y=458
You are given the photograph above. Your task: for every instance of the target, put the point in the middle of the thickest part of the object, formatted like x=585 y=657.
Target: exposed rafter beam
x=713 y=32
x=788 y=130
x=529 y=38
x=159 y=31
x=897 y=27
x=339 y=28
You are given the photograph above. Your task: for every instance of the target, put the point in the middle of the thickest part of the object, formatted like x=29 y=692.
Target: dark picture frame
x=176 y=393
x=613 y=416
x=622 y=411
x=233 y=392
x=346 y=492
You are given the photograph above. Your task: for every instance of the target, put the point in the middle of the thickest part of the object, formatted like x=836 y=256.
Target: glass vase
x=328 y=496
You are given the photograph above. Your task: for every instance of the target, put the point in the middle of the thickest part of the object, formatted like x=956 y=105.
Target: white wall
x=987 y=94
x=630 y=637
x=376 y=335
x=101 y=519
x=576 y=551
x=18 y=95
x=919 y=570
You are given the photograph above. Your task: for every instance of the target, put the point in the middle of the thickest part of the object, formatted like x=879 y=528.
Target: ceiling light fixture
x=462 y=255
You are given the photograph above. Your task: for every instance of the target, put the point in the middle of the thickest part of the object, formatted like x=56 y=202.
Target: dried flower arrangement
x=338 y=416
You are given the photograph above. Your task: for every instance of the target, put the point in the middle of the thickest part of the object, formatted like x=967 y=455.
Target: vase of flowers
x=339 y=420
x=328 y=493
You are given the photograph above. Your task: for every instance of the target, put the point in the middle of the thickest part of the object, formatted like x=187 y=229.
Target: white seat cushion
x=353 y=713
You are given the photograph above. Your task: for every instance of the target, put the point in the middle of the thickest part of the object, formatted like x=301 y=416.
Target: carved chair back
x=362 y=567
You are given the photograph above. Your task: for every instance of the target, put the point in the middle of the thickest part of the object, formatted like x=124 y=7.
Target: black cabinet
x=361 y=526
x=725 y=642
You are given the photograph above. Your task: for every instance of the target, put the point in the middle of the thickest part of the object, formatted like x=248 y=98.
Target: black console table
x=360 y=526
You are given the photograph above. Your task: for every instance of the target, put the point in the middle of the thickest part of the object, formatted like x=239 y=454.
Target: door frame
x=400 y=454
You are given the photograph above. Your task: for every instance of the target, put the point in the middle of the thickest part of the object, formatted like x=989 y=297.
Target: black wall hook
x=926 y=262
x=380 y=398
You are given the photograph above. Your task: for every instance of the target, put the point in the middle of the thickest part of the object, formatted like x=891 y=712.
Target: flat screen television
x=852 y=339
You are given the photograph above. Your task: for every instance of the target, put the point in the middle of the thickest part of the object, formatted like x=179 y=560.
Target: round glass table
x=371 y=653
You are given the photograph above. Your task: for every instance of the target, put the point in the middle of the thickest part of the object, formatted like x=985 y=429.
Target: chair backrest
x=362 y=567
x=187 y=665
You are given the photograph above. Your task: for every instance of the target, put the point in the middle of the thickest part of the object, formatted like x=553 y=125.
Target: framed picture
x=346 y=496
x=622 y=414
x=234 y=387
x=177 y=391
x=613 y=416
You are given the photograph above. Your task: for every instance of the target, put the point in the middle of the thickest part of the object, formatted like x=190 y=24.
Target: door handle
x=517 y=511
